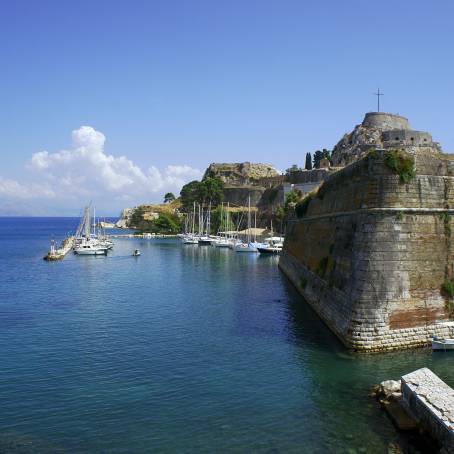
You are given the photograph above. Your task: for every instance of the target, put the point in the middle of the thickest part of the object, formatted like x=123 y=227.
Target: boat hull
x=443 y=344
x=269 y=250
x=245 y=249
x=222 y=244
x=90 y=252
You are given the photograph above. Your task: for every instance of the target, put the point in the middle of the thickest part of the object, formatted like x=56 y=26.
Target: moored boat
x=245 y=247
x=442 y=344
x=205 y=241
x=190 y=239
x=272 y=245
x=88 y=242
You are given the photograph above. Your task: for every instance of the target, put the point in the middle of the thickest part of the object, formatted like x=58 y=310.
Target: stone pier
x=431 y=402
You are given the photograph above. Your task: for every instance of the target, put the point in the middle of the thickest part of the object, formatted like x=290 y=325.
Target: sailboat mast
x=249 y=220
x=87 y=222
x=255 y=226
x=209 y=219
x=193 y=221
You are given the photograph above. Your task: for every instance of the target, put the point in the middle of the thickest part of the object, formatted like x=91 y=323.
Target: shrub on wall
x=301 y=207
x=402 y=164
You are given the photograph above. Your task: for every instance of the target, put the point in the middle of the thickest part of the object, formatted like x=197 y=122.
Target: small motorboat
x=442 y=344
x=136 y=253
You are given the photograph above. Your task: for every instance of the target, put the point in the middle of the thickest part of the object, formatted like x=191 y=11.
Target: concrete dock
x=59 y=254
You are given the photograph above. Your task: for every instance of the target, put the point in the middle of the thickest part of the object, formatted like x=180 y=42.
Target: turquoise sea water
x=184 y=349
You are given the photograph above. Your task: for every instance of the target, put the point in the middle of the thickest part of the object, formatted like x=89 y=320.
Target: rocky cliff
x=244 y=173
x=372 y=254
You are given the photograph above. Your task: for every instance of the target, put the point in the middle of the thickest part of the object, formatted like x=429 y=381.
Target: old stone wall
x=385 y=121
x=239 y=195
x=394 y=138
x=372 y=253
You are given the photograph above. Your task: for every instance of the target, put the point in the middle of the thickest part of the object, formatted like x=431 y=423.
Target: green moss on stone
x=402 y=164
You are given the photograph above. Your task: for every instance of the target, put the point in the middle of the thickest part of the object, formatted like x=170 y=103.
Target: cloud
x=12 y=189
x=86 y=171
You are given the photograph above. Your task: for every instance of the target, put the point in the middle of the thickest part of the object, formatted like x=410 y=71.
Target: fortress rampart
x=406 y=137
x=385 y=121
x=371 y=253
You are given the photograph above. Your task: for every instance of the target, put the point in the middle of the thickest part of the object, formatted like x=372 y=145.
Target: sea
x=185 y=349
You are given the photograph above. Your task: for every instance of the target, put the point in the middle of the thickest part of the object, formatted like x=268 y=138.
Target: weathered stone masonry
x=371 y=253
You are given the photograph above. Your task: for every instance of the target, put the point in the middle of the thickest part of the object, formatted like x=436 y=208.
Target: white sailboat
x=223 y=241
x=87 y=243
x=191 y=237
x=248 y=246
x=205 y=239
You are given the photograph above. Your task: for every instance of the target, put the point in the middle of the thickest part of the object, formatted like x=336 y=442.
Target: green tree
x=208 y=190
x=169 y=197
x=318 y=156
x=327 y=154
x=291 y=199
x=292 y=169
x=308 y=165
x=136 y=217
x=189 y=194
x=165 y=223
x=211 y=190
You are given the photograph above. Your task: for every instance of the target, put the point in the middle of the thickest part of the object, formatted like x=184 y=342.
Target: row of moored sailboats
x=199 y=233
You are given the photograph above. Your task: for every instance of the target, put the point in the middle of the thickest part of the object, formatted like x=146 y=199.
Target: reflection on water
x=183 y=349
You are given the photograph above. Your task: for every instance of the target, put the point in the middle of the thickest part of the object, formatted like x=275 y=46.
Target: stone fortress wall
x=371 y=253
x=385 y=121
x=406 y=137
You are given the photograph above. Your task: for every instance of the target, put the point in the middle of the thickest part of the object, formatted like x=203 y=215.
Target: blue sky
x=186 y=83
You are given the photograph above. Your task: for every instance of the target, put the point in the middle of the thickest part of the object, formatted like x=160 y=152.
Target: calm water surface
x=183 y=349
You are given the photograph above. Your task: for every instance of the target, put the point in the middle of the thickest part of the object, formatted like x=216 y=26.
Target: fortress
x=371 y=252
x=382 y=130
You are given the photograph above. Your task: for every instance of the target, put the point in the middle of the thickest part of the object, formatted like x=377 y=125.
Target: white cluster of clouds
x=85 y=172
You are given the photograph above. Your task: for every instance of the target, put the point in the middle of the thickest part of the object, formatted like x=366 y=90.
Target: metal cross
x=378 y=94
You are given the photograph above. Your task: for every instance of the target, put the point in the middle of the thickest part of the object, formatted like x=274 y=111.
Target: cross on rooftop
x=378 y=94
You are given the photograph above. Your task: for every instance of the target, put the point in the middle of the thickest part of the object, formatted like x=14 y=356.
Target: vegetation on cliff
x=205 y=191
x=402 y=164
x=165 y=223
x=156 y=218
x=302 y=206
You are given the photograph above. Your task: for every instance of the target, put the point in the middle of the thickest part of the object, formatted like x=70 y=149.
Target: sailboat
x=191 y=238
x=87 y=243
x=248 y=246
x=205 y=239
x=223 y=241
x=272 y=245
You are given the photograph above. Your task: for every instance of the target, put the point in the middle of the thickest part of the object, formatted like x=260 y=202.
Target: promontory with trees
x=232 y=186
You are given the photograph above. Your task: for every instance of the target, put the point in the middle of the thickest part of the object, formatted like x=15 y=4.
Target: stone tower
x=381 y=130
